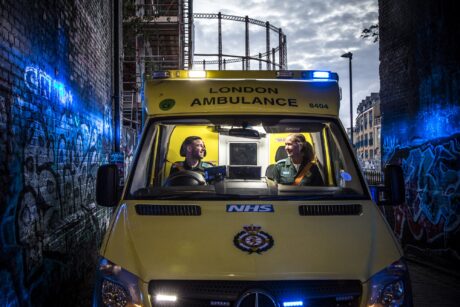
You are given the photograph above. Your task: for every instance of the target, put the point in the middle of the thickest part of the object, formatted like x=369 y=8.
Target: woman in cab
x=300 y=167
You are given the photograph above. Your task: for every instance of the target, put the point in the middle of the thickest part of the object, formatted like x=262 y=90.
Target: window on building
x=365 y=140
x=371 y=139
x=365 y=121
x=371 y=154
x=370 y=119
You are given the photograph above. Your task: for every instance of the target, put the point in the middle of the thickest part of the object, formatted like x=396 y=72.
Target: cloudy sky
x=318 y=33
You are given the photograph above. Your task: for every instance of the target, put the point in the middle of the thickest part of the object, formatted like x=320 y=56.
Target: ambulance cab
x=245 y=225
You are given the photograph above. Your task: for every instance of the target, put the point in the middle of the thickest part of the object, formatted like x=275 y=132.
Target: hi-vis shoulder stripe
x=249 y=208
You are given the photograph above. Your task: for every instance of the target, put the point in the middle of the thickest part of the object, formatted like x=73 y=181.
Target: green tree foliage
x=371 y=33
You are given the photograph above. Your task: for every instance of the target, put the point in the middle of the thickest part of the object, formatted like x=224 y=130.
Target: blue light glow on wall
x=40 y=83
x=438 y=122
x=58 y=140
x=431 y=123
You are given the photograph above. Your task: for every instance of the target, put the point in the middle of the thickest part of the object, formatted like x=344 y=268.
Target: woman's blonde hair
x=307 y=148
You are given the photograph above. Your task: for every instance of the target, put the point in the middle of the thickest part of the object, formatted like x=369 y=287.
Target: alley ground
x=433 y=287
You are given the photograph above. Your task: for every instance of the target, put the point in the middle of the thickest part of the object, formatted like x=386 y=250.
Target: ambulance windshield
x=245 y=158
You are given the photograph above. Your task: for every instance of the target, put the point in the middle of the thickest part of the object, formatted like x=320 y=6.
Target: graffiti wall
x=55 y=121
x=427 y=146
x=429 y=222
x=420 y=103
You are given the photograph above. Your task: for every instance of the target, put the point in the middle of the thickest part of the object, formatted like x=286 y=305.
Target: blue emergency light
x=292 y=303
x=321 y=75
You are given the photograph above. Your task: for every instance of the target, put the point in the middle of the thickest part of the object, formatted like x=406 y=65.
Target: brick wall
x=398 y=86
x=55 y=124
x=420 y=103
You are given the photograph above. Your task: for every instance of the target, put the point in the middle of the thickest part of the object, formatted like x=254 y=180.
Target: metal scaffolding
x=157 y=35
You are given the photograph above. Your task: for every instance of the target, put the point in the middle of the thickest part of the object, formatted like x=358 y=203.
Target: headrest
x=280 y=154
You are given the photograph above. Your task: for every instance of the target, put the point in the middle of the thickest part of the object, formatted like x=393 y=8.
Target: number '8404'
x=319 y=105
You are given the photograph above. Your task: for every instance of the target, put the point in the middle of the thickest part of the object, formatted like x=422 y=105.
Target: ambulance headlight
x=390 y=287
x=116 y=286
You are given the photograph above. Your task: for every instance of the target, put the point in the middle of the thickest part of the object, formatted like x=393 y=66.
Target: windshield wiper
x=203 y=195
x=188 y=195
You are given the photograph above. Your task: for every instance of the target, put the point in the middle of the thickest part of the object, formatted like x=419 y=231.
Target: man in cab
x=194 y=150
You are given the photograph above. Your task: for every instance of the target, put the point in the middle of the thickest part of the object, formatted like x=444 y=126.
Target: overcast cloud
x=318 y=33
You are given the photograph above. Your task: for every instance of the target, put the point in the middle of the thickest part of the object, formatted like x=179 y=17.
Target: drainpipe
x=116 y=73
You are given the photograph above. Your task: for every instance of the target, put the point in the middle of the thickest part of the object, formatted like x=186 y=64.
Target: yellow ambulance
x=215 y=210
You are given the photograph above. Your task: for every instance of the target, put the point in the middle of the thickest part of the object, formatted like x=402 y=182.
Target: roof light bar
x=197 y=74
x=161 y=74
x=219 y=303
x=284 y=74
x=319 y=75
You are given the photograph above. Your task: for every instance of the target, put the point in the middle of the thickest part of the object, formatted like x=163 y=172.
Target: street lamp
x=349 y=56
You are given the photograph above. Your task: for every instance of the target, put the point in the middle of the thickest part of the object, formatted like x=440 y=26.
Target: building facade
x=367 y=131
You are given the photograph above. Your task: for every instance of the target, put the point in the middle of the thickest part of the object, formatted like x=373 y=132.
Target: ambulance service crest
x=253 y=240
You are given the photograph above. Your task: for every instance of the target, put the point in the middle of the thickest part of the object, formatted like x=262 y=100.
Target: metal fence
x=376 y=184
x=373 y=177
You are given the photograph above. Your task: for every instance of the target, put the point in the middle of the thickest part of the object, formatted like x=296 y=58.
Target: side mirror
x=108 y=190
x=394 y=185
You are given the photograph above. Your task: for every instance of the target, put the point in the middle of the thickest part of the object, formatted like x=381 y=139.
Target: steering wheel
x=185 y=178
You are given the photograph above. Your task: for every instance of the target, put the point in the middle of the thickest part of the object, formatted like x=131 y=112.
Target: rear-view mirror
x=246 y=133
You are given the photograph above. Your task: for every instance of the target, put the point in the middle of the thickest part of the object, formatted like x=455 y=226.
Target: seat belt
x=302 y=174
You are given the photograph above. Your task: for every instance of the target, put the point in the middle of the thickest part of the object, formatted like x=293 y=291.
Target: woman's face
x=292 y=147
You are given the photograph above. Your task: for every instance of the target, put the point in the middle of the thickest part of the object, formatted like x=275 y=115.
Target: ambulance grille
x=205 y=293
x=165 y=210
x=327 y=210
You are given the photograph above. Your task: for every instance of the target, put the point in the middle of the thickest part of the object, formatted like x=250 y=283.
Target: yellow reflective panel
x=203 y=247
x=182 y=97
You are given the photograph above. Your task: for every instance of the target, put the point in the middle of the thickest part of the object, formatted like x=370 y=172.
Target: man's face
x=197 y=149
x=292 y=147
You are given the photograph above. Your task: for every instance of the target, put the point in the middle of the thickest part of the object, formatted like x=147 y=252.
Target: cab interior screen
x=243 y=154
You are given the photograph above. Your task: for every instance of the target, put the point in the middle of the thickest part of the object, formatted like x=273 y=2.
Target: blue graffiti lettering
x=30 y=77
x=390 y=144
x=434 y=183
x=40 y=83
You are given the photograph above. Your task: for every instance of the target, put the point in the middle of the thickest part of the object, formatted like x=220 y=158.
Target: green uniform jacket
x=284 y=172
